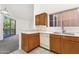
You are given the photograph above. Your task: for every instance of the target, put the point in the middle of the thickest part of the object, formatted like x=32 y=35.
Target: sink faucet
x=62 y=27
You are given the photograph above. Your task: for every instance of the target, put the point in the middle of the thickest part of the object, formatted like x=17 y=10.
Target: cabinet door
x=46 y=21
x=41 y=19
x=55 y=43
x=37 y=19
x=31 y=41
x=24 y=42
x=69 y=46
x=36 y=40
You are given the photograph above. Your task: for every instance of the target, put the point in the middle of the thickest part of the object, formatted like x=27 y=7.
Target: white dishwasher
x=44 y=40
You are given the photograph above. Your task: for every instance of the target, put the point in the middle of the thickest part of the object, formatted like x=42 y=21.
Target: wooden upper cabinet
x=37 y=19
x=41 y=19
x=46 y=19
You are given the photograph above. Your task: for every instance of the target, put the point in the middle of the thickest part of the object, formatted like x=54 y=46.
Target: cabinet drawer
x=70 y=47
x=34 y=35
x=71 y=38
x=54 y=36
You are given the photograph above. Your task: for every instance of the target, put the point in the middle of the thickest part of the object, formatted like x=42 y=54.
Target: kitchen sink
x=64 y=33
x=68 y=33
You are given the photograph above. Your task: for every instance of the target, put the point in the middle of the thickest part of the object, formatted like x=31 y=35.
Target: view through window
x=9 y=27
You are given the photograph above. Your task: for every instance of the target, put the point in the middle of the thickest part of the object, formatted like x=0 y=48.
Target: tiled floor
x=18 y=52
x=40 y=51
x=9 y=44
x=35 y=51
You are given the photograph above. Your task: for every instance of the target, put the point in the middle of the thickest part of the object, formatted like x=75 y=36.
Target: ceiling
x=52 y=8
x=20 y=11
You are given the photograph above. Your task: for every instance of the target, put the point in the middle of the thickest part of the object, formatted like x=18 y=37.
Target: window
x=9 y=27
x=52 y=20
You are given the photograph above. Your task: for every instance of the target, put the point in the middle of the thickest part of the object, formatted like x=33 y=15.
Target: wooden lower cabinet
x=37 y=40
x=70 y=45
x=30 y=41
x=64 y=44
x=55 y=43
x=24 y=42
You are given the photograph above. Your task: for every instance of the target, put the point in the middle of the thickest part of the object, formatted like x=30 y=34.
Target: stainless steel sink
x=65 y=33
x=57 y=32
x=69 y=33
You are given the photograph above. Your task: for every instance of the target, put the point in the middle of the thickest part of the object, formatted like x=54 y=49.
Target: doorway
x=9 y=27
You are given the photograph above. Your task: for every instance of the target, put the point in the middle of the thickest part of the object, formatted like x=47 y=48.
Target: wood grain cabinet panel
x=24 y=42
x=41 y=19
x=44 y=19
x=69 y=45
x=55 y=43
x=37 y=40
x=37 y=21
x=64 y=44
x=30 y=41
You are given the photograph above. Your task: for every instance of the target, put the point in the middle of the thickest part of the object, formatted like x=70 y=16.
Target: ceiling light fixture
x=4 y=11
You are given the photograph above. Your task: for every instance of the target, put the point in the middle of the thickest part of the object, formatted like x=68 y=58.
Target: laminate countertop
x=55 y=33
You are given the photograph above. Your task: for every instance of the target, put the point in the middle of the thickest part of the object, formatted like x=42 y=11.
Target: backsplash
x=72 y=29
x=58 y=29
x=48 y=29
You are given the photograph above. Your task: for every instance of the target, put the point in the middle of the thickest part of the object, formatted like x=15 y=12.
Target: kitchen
x=55 y=31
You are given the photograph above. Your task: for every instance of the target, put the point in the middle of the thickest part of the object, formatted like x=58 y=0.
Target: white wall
x=74 y=30
x=1 y=27
x=23 y=25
